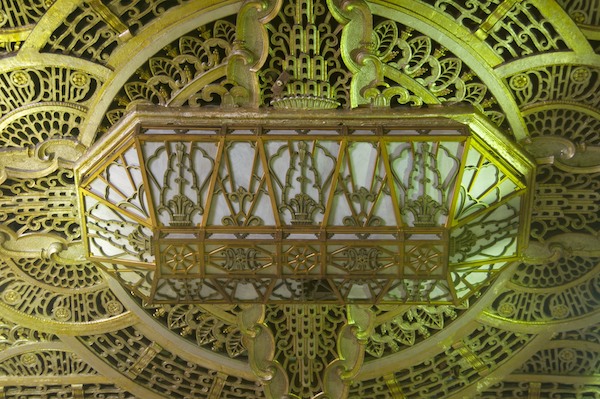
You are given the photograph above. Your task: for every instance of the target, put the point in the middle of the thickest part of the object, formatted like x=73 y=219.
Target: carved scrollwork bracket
x=358 y=48
x=260 y=344
x=250 y=50
x=564 y=154
x=351 y=343
x=44 y=158
x=577 y=244
x=46 y=246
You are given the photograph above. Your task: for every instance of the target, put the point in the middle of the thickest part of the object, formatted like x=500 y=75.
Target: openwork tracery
x=354 y=210
x=71 y=69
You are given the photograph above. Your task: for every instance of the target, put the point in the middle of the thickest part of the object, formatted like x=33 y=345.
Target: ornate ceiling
x=70 y=70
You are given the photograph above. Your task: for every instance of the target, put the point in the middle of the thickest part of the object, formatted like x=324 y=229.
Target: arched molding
x=479 y=57
x=442 y=341
x=128 y=57
x=66 y=328
x=503 y=370
x=546 y=59
x=176 y=343
x=33 y=59
x=106 y=370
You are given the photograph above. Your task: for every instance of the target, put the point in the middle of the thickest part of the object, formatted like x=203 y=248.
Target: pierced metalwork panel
x=72 y=71
x=334 y=212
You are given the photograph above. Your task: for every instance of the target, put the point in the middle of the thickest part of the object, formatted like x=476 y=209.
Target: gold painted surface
x=157 y=198
x=67 y=76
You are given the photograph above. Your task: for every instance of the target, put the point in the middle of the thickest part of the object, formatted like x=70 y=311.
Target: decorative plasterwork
x=531 y=66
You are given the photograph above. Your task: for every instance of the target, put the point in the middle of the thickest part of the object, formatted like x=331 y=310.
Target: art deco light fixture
x=304 y=186
x=325 y=206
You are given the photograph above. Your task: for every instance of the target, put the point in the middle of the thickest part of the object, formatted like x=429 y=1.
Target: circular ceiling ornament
x=534 y=79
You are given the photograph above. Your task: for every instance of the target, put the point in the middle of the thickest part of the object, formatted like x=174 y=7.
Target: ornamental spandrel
x=416 y=207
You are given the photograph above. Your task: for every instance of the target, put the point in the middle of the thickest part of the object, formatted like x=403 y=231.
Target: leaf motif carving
x=189 y=45
x=475 y=93
x=421 y=50
x=166 y=67
x=178 y=316
x=449 y=71
x=233 y=345
x=385 y=35
x=375 y=349
x=205 y=332
x=140 y=92
x=224 y=30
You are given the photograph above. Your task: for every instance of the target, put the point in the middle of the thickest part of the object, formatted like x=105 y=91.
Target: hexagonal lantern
x=366 y=206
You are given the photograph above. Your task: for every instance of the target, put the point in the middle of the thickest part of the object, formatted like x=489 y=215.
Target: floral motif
x=240 y=259
x=11 y=297
x=180 y=259
x=425 y=210
x=425 y=259
x=302 y=259
x=62 y=313
x=362 y=259
x=20 y=78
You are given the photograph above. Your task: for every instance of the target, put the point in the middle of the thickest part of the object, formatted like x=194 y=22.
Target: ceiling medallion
x=369 y=206
x=304 y=185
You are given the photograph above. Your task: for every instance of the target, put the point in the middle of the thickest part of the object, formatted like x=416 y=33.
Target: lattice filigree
x=375 y=388
x=587 y=334
x=36 y=127
x=159 y=370
x=408 y=327
x=43 y=205
x=554 y=274
x=487 y=347
x=573 y=301
x=565 y=360
x=44 y=363
x=55 y=273
x=53 y=302
x=304 y=67
x=139 y=13
x=52 y=85
x=195 y=60
x=468 y=13
x=582 y=12
x=48 y=391
x=565 y=202
x=305 y=343
x=18 y=17
x=14 y=335
x=557 y=83
x=13 y=15
x=576 y=125
x=523 y=32
x=514 y=389
x=443 y=75
x=215 y=329
x=85 y=34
